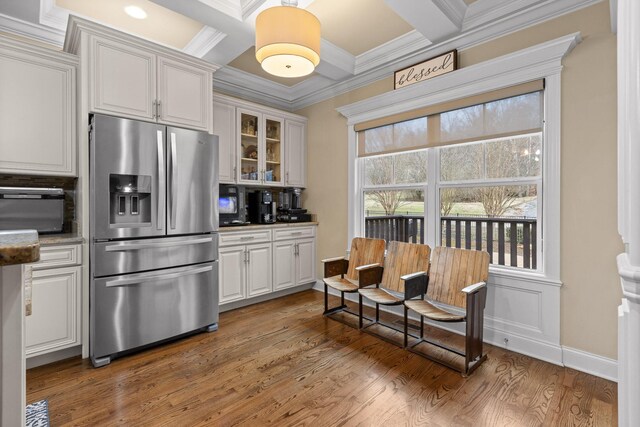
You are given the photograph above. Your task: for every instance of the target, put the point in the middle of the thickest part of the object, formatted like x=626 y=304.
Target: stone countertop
x=19 y=247
x=267 y=226
x=60 y=239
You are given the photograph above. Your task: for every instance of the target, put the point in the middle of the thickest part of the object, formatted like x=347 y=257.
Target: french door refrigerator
x=154 y=242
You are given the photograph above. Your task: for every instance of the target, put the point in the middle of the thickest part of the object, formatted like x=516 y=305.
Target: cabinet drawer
x=294 y=233
x=245 y=237
x=58 y=256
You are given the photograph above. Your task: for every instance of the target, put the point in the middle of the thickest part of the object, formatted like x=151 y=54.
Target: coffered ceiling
x=363 y=40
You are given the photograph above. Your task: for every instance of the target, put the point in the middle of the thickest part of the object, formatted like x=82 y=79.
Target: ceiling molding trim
x=204 y=41
x=464 y=41
x=26 y=29
x=455 y=10
x=527 y=64
x=484 y=11
x=231 y=8
x=252 y=86
x=248 y=7
x=243 y=92
x=337 y=56
x=397 y=48
x=613 y=11
x=52 y=15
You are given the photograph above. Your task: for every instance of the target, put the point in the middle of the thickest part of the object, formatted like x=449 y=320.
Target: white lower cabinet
x=259 y=262
x=265 y=265
x=55 y=321
x=231 y=274
x=284 y=262
x=245 y=271
x=294 y=262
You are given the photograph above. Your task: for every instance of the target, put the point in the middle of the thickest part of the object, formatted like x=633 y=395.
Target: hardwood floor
x=282 y=363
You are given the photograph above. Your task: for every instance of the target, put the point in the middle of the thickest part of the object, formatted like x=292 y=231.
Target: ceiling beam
x=434 y=19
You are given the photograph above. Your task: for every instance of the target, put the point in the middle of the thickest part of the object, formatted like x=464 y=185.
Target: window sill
x=519 y=274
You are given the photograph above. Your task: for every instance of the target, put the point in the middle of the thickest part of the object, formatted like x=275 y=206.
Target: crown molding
x=300 y=96
x=231 y=8
x=399 y=47
x=222 y=98
x=26 y=29
x=204 y=41
x=236 y=82
x=248 y=7
x=43 y=52
x=337 y=56
x=527 y=64
x=455 y=10
x=54 y=16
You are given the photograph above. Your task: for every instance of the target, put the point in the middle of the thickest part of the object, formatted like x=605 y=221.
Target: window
x=485 y=175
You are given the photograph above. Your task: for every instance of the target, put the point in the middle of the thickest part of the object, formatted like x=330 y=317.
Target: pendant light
x=287 y=40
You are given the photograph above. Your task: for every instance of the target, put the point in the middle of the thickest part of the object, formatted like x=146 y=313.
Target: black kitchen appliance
x=290 y=206
x=231 y=206
x=261 y=207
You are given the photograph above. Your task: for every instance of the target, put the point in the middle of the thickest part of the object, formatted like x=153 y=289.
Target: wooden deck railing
x=510 y=241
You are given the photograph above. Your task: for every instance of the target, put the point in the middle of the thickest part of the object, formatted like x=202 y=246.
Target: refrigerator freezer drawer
x=133 y=310
x=131 y=256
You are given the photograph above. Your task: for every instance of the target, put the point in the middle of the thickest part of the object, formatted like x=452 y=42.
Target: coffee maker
x=290 y=206
x=261 y=207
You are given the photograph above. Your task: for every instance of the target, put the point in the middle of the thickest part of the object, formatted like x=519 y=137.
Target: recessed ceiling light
x=135 y=12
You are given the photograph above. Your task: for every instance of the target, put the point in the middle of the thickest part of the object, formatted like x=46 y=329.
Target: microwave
x=231 y=205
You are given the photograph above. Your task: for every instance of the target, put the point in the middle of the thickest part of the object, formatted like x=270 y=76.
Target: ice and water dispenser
x=130 y=199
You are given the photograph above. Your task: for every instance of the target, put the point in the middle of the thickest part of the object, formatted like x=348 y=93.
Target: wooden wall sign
x=425 y=70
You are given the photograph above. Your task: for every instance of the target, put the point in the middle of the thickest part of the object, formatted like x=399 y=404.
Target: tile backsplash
x=68 y=184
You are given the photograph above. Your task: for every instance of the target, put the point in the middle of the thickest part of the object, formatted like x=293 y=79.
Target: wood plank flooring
x=281 y=363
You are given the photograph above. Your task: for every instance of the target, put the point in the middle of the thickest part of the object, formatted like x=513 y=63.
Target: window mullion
x=432 y=210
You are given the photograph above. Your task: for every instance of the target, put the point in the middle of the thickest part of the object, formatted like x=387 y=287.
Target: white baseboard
x=546 y=351
x=590 y=363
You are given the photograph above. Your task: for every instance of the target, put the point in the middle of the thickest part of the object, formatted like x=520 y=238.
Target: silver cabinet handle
x=157 y=277
x=134 y=246
x=296 y=233
x=286 y=181
x=247 y=237
x=154 y=109
x=159 y=110
x=235 y=173
x=174 y=181
x=161 y=182
x=248 y=257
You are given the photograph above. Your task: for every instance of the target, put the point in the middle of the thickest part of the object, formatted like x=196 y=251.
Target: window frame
x=500 y=73
x=433 y=228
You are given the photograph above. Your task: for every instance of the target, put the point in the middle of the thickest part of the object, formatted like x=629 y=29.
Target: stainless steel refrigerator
x=154 y=242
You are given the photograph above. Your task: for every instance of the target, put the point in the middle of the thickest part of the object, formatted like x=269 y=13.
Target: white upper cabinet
x=184 y=94
x=134 y=78
x=255 y=142
x=224 y=125
x=123 y=80
x=296 y=154
x=37 y=110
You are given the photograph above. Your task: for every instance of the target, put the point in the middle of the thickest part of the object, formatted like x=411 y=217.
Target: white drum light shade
x=287 y=41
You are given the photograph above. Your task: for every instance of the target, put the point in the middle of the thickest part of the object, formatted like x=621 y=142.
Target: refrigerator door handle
x=174 y=182
x=157 y=277
x=122 y=247
x=161 y=182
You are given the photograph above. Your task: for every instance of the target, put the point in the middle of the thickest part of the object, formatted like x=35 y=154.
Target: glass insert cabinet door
x=250 y=155
x=273 y=151
x=261 y=148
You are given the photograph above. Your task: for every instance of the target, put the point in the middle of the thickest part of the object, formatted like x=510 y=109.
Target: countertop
x=263 y=226
x=19 y=247
x=60 y=239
